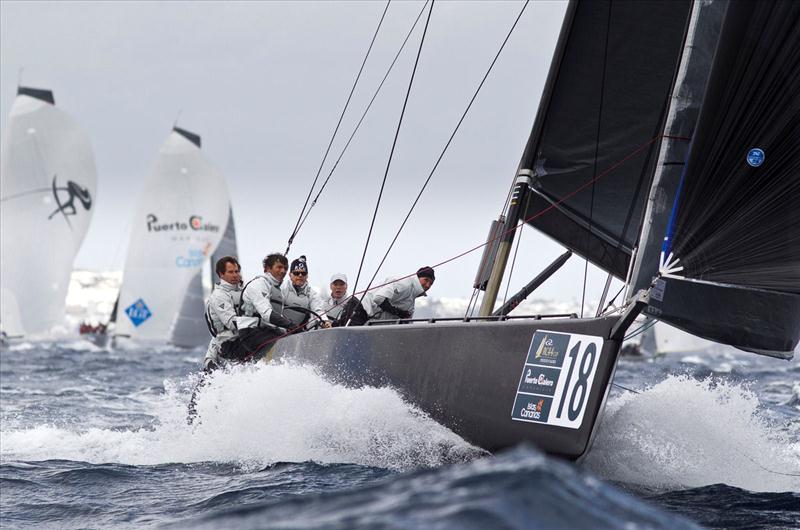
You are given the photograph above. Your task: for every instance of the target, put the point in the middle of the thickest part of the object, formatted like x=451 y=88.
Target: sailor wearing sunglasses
x=302 y=303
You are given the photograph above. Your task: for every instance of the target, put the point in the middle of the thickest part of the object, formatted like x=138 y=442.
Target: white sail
x=179 y=221
x=670 y=339
x=227 y=247
x=48 y=183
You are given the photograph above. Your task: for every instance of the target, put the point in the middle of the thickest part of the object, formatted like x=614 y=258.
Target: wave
x=684 y=432
x=521 y=488
x=255 y=416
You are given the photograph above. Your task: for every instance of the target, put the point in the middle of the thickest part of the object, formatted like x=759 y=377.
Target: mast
x=519 y=196
x=524 y=178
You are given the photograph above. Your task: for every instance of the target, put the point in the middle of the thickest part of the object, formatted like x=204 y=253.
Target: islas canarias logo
x=546 y=349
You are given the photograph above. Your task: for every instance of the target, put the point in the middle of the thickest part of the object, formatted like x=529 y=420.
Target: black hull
x=465 y=375
x=695 y=306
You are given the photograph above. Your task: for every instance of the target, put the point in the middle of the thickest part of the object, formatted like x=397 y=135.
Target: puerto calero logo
x=195 y=223
x=539 y=380
x=755 y=157
x=548 y=349
x=138 y=312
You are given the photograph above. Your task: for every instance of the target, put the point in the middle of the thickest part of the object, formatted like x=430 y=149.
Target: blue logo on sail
x=755 y=157
x=138 y=312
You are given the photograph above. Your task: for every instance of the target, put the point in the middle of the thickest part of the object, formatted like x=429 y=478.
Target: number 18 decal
x=557 y=378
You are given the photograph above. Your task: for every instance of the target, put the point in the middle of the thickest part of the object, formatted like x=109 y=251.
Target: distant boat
x=48 y=183
x=665 y=151
x=182 y=218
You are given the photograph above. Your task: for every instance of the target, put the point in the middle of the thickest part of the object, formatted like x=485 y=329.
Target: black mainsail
x=604 y=102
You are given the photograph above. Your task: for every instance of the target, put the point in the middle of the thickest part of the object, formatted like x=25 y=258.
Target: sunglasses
x=299 y=273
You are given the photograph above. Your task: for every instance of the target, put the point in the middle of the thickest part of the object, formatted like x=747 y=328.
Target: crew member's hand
x=326 y=324
x=276 y=319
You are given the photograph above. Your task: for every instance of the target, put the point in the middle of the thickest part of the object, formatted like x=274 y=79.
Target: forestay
x=179 y=222
x=48 y=183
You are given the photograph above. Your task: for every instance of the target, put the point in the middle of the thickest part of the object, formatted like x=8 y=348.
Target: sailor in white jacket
x=395 y=300
x=222 y=309
x=335 y=303
x=299 y=297
x=262 y=297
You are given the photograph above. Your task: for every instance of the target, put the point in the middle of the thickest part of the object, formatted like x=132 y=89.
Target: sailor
x=335 y=303
x=262 y=297
x=394 y=300
x=222 y=309
x=302 y=303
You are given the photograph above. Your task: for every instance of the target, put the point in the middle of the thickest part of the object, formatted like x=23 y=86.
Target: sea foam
x=255 y=416
x=684 y=432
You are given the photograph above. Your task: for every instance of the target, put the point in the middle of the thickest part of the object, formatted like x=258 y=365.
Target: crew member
x=262 y=297
x=392 y=301
x=222 y=309
x=335 y=303
x=301 y=301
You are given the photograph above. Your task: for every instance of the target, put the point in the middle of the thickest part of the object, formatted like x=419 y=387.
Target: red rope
x=522 y=223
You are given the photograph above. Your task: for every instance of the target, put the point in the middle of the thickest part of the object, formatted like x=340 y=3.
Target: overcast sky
x=264 y=83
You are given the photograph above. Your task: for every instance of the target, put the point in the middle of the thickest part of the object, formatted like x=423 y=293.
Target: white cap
x=339 y=276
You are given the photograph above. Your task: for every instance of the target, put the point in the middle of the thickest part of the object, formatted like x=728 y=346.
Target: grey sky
x=263 y=84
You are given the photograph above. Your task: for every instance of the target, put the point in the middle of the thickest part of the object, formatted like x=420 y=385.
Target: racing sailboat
x=48 y=184
x=665 y=151
x=182 y=218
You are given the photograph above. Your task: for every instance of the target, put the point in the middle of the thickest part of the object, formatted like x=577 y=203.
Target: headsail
x=730 y=247
x=179 y=222
x=604 y=102
x=47 y=190
x=227 y=247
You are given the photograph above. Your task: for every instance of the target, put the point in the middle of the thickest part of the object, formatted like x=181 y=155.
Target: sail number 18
x=582 y=384
x=557 y=378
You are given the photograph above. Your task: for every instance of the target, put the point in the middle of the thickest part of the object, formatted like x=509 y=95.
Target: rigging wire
x=447 y=144
x=513 y=262
x=391 y=153
x=361 y=120
x=473 y=298
x=528 y=219
x=336 y=129
x=614 y=299
x=641 y=329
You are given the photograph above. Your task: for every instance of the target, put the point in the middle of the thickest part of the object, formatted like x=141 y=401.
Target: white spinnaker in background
x=48 y=183
x=180 y=219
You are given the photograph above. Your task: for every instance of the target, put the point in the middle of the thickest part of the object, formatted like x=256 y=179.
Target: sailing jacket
x=333 y=306
x=400 y=294
x=306 y=297
x=261 y=296
x=221 y=316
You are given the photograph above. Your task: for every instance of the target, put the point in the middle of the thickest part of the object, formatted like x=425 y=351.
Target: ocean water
x=93 y=438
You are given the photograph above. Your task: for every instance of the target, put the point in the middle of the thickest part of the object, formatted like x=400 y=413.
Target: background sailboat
x=48 y=185
x=182 y=216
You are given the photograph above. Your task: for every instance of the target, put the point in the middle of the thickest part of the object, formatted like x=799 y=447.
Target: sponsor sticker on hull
x=556 y=378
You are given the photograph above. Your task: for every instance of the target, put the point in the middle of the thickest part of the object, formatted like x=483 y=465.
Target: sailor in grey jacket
x=262 y=297
x=396 y=300
x=297 y=292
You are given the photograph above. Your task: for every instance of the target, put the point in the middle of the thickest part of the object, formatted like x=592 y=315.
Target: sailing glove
x=276 y=319
x=389 y=308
